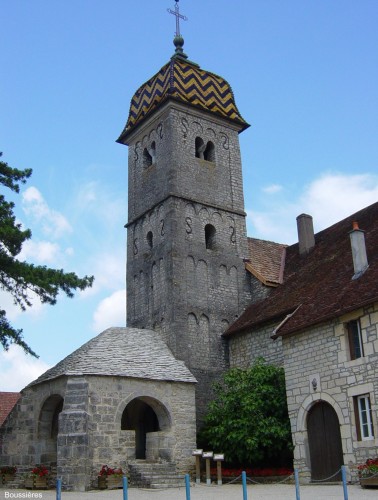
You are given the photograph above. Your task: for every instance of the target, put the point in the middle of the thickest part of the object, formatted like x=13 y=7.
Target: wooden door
x=324 y=440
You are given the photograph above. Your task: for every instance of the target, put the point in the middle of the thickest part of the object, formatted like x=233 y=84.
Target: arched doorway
x=48 y=428
x=324 y=441
x=144 y=415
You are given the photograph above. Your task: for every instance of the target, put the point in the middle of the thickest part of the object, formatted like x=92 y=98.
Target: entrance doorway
x=324 y=441
x=140 y=417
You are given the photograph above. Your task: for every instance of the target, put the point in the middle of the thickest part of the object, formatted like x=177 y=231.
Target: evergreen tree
x=20 y=278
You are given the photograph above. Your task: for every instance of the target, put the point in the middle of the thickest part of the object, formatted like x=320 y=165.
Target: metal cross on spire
x=179 y=16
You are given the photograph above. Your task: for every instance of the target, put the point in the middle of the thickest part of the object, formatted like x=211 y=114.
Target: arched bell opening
x=209 y=153
x=199 y=147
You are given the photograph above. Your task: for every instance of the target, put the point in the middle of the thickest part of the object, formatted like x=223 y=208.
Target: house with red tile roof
x=7 y=402
x=320 y=322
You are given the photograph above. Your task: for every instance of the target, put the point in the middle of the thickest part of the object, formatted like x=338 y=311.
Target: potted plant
x=109 y=478
x=7 y=473
x=37 y=478
x=368 y=472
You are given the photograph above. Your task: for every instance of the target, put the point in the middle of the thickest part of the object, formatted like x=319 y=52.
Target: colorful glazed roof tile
x=185 y=82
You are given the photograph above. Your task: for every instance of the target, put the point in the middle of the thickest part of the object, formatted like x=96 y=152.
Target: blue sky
x=304 y=75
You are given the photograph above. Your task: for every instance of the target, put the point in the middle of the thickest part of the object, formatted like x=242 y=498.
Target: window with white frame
x=364 y=421
x=356 y=347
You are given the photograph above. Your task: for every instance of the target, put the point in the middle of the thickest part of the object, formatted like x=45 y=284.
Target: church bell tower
x=186 y=234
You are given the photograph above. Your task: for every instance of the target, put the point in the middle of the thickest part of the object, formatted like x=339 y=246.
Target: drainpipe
x=286 y=318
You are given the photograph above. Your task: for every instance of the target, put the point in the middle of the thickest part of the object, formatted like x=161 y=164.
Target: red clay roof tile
x=7 y=402
x=266 y=260
x=321 y=282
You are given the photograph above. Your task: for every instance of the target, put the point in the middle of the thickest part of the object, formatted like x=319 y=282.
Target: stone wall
x=245 y=347
x=173 y=404
x=74 y=437
x=25 y=436
x=321 y=354
x=188 y=286
x=89 y=415
x=176 y=169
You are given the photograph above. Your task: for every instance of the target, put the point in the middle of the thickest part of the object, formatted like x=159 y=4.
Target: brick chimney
x=306 y=236
x=357 y=241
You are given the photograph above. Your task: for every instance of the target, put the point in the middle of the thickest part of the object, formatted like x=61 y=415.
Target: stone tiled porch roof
x=319 y=286
x=123 y=352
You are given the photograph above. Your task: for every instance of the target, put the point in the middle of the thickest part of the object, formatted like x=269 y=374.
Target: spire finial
x=179 y=16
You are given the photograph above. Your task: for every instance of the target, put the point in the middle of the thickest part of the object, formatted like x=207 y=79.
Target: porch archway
x=144 y=415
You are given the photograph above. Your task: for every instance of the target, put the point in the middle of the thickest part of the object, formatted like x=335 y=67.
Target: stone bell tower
x=186 y=222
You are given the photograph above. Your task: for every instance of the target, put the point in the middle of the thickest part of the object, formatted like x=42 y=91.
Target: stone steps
x=154 y=475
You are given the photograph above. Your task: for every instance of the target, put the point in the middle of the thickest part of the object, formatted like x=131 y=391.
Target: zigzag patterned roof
x=186 y=82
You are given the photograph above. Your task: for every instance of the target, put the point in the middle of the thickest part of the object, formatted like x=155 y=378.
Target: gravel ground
x=203 y=492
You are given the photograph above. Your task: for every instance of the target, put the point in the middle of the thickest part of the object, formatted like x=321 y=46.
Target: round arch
x=162 y=412
x=324 y=440
x=309 y=402
x=144 y=415
x=48 y=421
x=48 y=428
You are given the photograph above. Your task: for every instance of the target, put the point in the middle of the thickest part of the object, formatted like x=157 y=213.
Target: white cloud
x=328 y=199
x=52 y=222
x=40 y=251
x=88 y=193
x=14 y=311
x=272 y=189
x=333 y=197
x=18 y=369
x=110 y=312
x=91 y=199
x=8 y=305
x=109 y=270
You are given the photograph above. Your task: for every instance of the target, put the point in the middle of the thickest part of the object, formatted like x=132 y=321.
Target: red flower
x=40 y=470
x=108 y=471
x=369 y=468
x=253 y=472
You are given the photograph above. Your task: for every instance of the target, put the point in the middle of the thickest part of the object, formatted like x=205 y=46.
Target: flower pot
x=36 y=483
x=109 y=482
x=7 y=478
x=369 y=482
